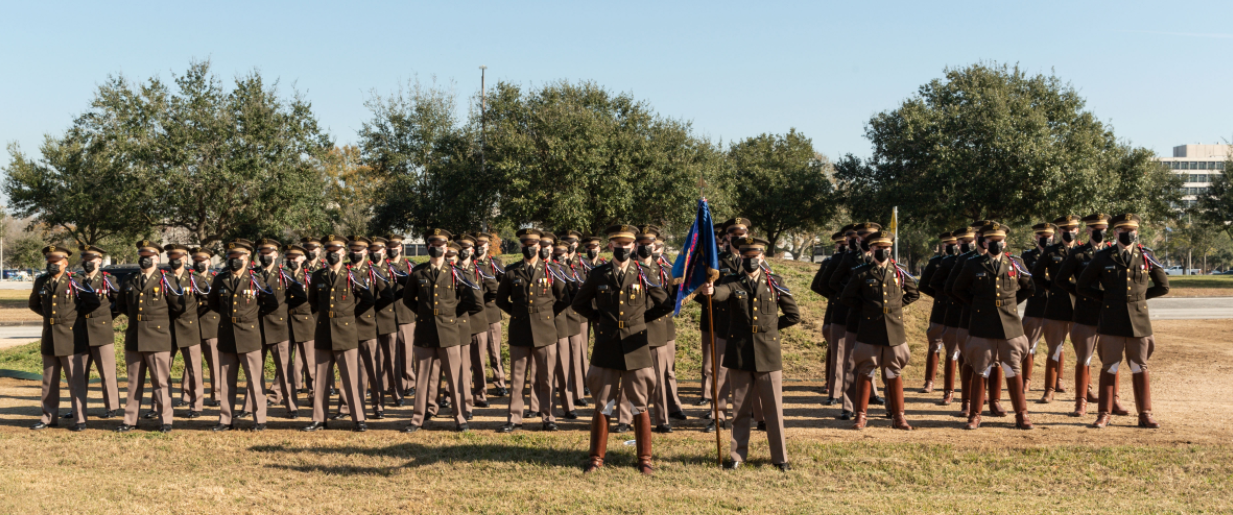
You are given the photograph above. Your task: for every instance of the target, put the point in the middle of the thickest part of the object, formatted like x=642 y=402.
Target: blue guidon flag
x=698 y=261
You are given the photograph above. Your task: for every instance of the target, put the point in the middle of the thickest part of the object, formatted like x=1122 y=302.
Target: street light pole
x=483 y=122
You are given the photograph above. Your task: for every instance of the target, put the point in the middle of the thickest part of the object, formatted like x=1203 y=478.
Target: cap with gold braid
x=545 y=235
x=1126 y=221
x=591 y=240
x=240 y=245
x=58 y=250
x=333 y=240
x=850 y=228
x=393 y=239
x=1044 y=229
x=91 y=252
x=175 y=247
x=202 y=251
x=437 y=235
x=529 y=235
x=838 y=237
x=358 y=242
x=879 y=238
x=946 y=237
x=619 y=232
x=994 y=229
x=1067 y=222
x=1096 y=219
x=150 y=246
x=964 y=233
x=466 y=240
x=752 y=243
x=737 y=223
x=864 y=228
x=269 y=244
x=648 y=233
x=293 y=250
x=377 y=243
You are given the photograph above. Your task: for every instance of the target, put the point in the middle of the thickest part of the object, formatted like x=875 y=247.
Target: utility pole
x=483 y=123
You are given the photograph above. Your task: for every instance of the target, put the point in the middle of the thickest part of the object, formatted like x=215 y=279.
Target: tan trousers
x=406 y=355
x=74 y=370
x=1083 y=338
x=561 y=367
x=192 y=384
x=449 y=359
x=479 y=352
x=462 y=381
x=725 y=389
x=104 y=359
x=986 y=353
x=892 y=360
x=950 y=338
x=768 y=387
x=934 y=336
x=848 y=356
x=664 y=396
x=519 y=360
x=209 y=353
x=159 y=365
x=370 y=358
x=305 y=368
x=1034 y=329
x=1054 y=332
x=389 y=365
x=231 y=363
x=578 y=363
x=348 y=362
x=1136 y=350
x=607 y=385
x=282 y=392
x=489 y=355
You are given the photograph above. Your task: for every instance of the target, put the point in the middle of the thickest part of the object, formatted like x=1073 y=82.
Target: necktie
x=1126 y=256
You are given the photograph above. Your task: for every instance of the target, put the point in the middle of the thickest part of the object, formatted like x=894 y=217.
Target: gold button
x=755 y=318
x=138 y=309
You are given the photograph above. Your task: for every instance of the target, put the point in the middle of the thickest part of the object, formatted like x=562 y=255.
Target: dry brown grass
x=1201 y=292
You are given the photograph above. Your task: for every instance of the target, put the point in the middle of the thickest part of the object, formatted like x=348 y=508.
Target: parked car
x=1178 y=270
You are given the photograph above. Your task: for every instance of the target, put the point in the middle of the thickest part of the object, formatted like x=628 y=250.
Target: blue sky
x=1159 y=72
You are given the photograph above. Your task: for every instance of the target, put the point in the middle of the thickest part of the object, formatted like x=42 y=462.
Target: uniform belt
x=885 y=310
x=148 y=318
x=1136 y=297
x=54 y=320
x=620 y=324
x=755 y=328
x=998 y=303
x=242 y=320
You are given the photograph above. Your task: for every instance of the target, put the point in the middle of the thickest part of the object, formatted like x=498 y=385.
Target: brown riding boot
x=864 y=384
x=948 y=385
x=995 y=391
x=931 y=369
x=1029 y=362
x=1050 y=381
x=1061 y=371
x=1105 y=400
x=1143 y=399
x=1118 y=410
x=1091 y=396
x=976 y=401
x=1018 y=401
x=642 y=440
x=965 y=392
x=599 y=442
x=894 y=396
x=1082 y=384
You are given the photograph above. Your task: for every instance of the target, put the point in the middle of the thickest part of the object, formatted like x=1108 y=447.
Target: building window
x=1220 y=165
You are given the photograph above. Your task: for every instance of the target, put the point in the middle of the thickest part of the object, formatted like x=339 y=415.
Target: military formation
x=358 y=328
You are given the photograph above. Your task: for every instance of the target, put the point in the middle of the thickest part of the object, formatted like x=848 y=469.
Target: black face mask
x=464 y=254
x=53 y=268
x=435 y=251
x=235 y=264
x=89 y=266
x=1044 y=242
x=175 y=263
x=545 y=252
x=952 y=250
x=995 y=247
x=1098 y=235
x=146 y=262
x=395 y=251
x=621 y=254
x=293 y=265
x=840 y=249
x=881 y=255
x=749 y=264
x=1127 y=238
x=374 y=257
x=200 y=266
x=965 y=247
x=529 y=252
x=644 y=251
x=1068 y=236
x=266 y=259
x=864 y=247
x=357 y=258
x=852 y=242
x=592 y=253
x=333 y=258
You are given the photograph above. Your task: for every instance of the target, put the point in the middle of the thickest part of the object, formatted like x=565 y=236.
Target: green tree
x=781 y=183
x=991 y=141
x=1215 y=204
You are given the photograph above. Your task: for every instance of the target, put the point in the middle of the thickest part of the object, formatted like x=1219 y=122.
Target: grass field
x=1063 y=466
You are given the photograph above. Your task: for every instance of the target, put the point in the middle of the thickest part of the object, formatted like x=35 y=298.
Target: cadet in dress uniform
x=954 y=311
x=240 y=297
x=489 y=354
x=54 y=297
x=755 y=299
x=858 y=254
x=400 y=269
x=275 y=329
x=992 y=286
x=444 y=302
x=207 y=318
x=937 y=314
x=337 y=294
x=618 y=298
x=558 y=367
x=186 y=332
x=592 y=245
x=1059 y=305
x=478 y=349
x=1125 y=325
x=834 y=312
x=963 y=336
x=148 y=340
x=302 y=376
x=878 y=291
x=303 y=323
x=366 y=326
x=532 y=297
x=387 y=321
x=1084 y=332
x=95 y=327
x=1034 y=312
x=661 y=333
x=572 y=263
x=734 y=230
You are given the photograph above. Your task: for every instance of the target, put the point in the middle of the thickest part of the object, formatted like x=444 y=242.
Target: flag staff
x=715 y=399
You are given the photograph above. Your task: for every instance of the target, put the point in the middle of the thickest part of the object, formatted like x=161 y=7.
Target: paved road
x=12 y=336
x=16 y=285
x=1187 y=308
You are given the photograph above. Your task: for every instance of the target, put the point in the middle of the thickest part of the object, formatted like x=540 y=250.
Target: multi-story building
x=1196 y=164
